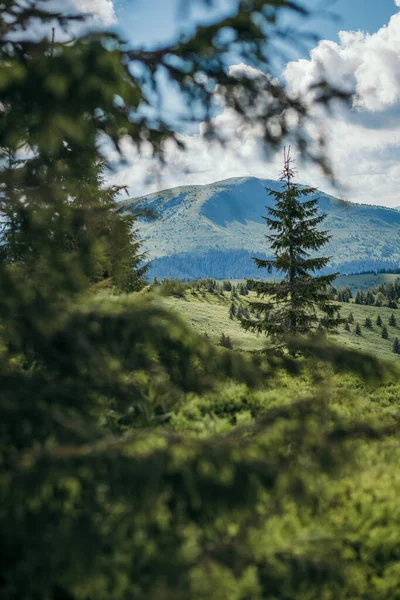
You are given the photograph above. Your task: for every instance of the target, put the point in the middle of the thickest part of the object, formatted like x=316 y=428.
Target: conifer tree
x=358 y=329
x=350 y=318
x=385 y=333
x=379 y=321
x=392 y=320
x=396 y=346
x=368 y=323
x=232 y=311
x=347 y=327
x=225 y=342
x=359 y=299
x=301 y=303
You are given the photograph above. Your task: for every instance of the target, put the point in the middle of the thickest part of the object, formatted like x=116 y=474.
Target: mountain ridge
x=216 y=222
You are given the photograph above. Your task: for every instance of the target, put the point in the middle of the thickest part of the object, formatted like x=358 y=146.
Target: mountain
x=214 y=230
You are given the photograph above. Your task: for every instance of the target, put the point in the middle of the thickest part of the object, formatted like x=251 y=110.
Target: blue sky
x=360 y=51
x=151 y=22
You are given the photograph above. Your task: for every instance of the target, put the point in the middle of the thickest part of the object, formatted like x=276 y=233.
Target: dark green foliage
x=347 y=326
x=368 y=323
x=396 y=346
x=232 y=311
x=294 y=304
x=243 y=291
x=386 y=294
x=172 y=287
x=385 y=333
x=358 y=329
x=392 y=320
x=226 y=342
x=379 y=321
x=350 y=318
x=360 y=298
x=89 y=219
x=344 y=295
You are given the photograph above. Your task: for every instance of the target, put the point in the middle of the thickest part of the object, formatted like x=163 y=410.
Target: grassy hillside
x=370 y=340
x=209 y=313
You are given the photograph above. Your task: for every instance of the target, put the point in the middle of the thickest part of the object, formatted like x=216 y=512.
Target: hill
x=208 y=313
x=214 y=230
x=365 y=281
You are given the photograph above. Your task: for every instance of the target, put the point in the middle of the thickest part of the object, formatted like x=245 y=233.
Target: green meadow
x=208 y=313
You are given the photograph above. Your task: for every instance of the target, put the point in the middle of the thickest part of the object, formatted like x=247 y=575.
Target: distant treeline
x=238 y=264
x=393 y=271
x=386 y=294
x=214 y=264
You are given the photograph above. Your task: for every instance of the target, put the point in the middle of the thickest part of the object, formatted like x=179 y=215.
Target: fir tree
x=347 y=327
x=369 y=299
x=368 y=323
x=392 y=321
x=396 y=346
x=301 y=302
x=358 y=329
x=232 y=311
x=225 y=342
x=359 y=299
x=385 y=333
x=350 y=318
x=379 y=321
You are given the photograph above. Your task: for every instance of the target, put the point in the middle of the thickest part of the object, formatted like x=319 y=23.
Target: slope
x=214 y=230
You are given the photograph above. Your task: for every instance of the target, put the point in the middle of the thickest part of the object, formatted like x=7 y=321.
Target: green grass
x=209 y=313
x=370 y=340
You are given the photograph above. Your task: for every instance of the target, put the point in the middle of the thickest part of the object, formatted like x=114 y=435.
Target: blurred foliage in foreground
x=130 y=467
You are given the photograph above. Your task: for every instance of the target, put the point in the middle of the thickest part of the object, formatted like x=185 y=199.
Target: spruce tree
x=359 y=299
x=368 y=323
x=350 y=318
x=385 y=333
x=396 y=346
x=225 y=341
x=379 y=321
x=347 y=327
x=358 y=329
x=300 y=303
x=392 y=321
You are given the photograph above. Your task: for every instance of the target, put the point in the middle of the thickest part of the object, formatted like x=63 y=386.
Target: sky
x=152 y=21
x=360 y=49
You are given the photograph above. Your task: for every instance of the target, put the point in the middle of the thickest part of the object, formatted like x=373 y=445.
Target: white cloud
x=368 y=65
x=363 y=140
x=102 y=10
x=101 y=13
